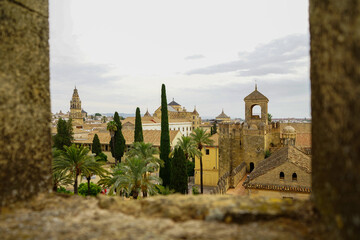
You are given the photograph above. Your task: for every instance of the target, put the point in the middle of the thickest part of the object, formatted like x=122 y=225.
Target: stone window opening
x=207 y=151
x=282 y=175
x=252 y=166
x=256 y=112
x=294 y=177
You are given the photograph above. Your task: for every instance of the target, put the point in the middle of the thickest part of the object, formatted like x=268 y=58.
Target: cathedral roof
x=223 y=115
x=147 y=114
x=256 y=95
x=173 y=103
x=289 y=154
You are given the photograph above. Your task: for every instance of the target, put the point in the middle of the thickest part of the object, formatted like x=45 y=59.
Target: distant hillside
x=124 y=115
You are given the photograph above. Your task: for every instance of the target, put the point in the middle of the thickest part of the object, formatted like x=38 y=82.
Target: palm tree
x=95 y=169
x=146 y=152
x=189 y=146
x=59 y=177
x=76 y=161
x=132 y=177
x=201 y=138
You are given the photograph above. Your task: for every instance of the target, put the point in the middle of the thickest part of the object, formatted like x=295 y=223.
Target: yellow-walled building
x=210 y=159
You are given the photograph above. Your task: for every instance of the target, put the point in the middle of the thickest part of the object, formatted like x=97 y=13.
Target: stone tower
x=75 y=109
x=252 y=101
x=254 y=134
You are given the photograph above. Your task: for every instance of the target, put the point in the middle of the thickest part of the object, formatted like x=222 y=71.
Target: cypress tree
x=96 y=146
x=119 y=145
x=214 y=129
x=138 y=135
x=178 y=172
x=64 y=135
x=165 y=171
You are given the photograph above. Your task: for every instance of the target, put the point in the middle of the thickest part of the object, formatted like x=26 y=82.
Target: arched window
x=256 y=111
x=282 y=175
x=294 y=177
x=252 y=166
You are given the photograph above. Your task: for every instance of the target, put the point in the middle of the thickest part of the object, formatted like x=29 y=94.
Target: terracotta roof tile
x=285 y=154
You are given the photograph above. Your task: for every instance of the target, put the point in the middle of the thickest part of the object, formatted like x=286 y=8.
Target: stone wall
x=273 y=176
x=335 y=103
x=25 y=140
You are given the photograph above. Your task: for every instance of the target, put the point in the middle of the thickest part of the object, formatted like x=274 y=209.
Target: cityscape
x=179 y=119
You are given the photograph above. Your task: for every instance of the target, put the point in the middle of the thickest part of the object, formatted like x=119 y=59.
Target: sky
x=209 y=54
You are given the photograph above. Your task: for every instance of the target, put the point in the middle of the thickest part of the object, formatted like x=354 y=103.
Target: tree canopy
x=96 y=146
x=138 y=134
x=165 y=172
x=119 y=140
x=64 y=135
x=201 y=138
x=178 y=172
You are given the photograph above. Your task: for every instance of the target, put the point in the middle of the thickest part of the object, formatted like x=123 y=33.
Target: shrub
x=267 y=153
x=94 y=189
x=164 y=190
x=63 y=190
x=103 y=157
x=195 y=190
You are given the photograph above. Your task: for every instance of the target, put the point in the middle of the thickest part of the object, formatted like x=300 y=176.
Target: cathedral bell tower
x=75 y=109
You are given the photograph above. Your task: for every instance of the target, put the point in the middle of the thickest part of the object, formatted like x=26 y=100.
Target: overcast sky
x=208 y=53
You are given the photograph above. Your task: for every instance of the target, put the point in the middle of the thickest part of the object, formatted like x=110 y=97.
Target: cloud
x=193 y=57
x=280 y=56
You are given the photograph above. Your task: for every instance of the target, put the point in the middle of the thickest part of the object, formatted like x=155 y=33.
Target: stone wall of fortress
x=237 y=144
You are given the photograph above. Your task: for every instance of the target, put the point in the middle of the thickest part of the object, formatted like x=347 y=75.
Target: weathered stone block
x=335 y=93
x=25 y=152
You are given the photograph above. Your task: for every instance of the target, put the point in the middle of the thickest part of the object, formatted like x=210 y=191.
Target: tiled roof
x=215 y=138
x=147 y=114
x=173 y=103
x=256 y=95
x=223 y=115
x=150 y=136
x=285 y=154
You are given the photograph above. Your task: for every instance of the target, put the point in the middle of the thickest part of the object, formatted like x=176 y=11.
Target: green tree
x=84 y=189
x=64 y=135
x=190 y=168
x=76 y=161
x=97 y=114
x=188 y=145
x=201 y=138
x=117 y=143
x=132 y=176
x=138 y=135
x=96 y=169
x=60 y=177
x=96 y=146
x=165 y=171
x=148 y=153
x=269 y=117
x=214 y=129
x=145 y=151
x=104 y=119
x=178 y=172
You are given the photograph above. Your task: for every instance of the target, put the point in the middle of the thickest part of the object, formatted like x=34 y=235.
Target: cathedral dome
x=289 y=129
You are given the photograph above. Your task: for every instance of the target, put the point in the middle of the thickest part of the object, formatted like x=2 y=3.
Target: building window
x=193 y=117
x=282 y=175
x=294 y=177
x=207 y=151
